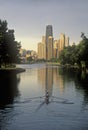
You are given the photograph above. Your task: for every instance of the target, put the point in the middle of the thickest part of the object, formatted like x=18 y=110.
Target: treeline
x=76 y=54
x=9 y=47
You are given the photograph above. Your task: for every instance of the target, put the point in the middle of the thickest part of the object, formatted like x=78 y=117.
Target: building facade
x=66 y=41
x=55 y=48
x=40 y=50
x=62 y=42
x=49 y=42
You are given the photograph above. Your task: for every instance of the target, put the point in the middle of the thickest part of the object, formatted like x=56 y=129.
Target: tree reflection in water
x=8 y=88
x=81 y=81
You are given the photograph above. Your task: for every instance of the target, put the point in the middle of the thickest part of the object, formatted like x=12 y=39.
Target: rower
x=47 y=97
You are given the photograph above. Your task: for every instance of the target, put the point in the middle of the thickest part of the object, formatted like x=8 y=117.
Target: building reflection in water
x=45 y=78
x=49 y=80
x=8 y=88
x=58 y=80
x=50 y=76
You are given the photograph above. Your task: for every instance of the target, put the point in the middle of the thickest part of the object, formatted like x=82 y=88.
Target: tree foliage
x=9 y=48
x=76 y=53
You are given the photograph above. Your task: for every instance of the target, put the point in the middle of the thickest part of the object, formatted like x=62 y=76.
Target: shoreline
x=12 y=70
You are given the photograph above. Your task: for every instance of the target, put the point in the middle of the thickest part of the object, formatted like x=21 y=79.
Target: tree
x=84 y=49
x=76 y=53
x=67 y=56
x=3 y=29
x=9 y=48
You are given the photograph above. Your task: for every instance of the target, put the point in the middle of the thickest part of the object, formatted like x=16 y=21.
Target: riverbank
x=68 y=67
x=11 y=70
x=53 y=63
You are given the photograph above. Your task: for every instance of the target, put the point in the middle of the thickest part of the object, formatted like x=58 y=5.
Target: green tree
x=3 y=30
x=9 y=48
x=84 y=49
x=76 y=53
x=67 y=55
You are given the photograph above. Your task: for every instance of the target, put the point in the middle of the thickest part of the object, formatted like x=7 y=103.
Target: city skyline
x=49 y=48
x=29 y=18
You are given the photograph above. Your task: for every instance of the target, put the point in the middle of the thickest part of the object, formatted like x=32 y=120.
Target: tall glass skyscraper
x=49 y=33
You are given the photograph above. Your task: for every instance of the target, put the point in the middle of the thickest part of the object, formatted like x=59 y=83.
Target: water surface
x=23 y=105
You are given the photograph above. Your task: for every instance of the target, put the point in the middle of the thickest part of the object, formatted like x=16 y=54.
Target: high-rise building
x=40 y=50
x=49 y=42
x=44 y=45
x=49 y=32
x=55 y=49
x=43 y=40
x=50 y=48
x=67 y=41
x=62 y=42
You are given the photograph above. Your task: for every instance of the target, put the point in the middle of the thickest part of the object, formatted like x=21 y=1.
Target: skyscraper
x=66 y=41
x=62 y=41
x=49 y=35
x=44 y=45
x=55 y=48
x=40 y=50
x=49 y=32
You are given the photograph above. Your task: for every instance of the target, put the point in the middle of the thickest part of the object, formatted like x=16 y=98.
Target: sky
x=29 y=19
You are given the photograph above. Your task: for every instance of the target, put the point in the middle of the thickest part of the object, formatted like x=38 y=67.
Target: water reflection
x=80 y=79
x=58 y=79
x=62 y=78
x=81 y=84
x=67 y=96
x=8 y=88
x=45 y=77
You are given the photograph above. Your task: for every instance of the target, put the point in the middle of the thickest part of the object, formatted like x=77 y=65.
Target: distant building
x=44 y=45
x=62 y=42
x=25 y=54
x=49 y=32
x=49 y=42
x=55 y=49
x=45 y=48
x=40 y=51
x=43 y=40
x=66 y=41
x=50 y=48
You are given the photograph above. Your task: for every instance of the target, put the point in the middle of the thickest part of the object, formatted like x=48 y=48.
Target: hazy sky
x=29 y=19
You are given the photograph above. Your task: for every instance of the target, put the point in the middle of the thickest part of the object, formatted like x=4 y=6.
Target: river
x=23 y=104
